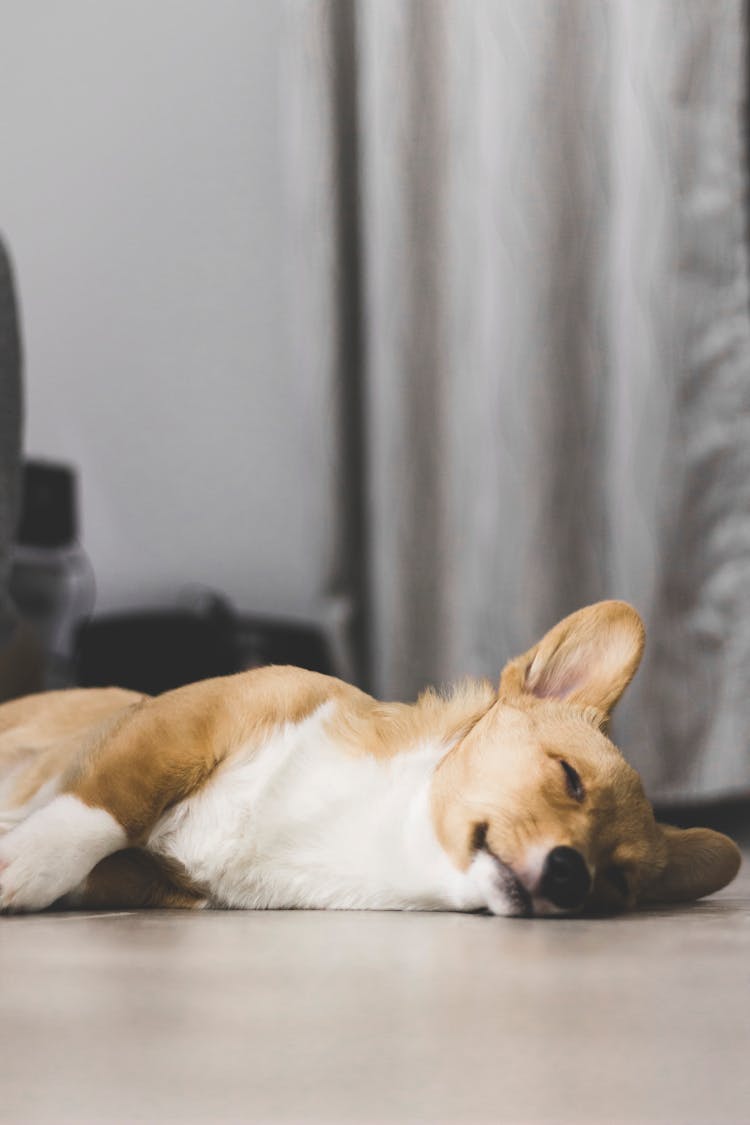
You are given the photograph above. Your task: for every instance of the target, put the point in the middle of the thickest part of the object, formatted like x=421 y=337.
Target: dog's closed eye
x=573 y=782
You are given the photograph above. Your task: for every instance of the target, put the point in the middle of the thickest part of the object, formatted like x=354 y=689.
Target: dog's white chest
x=301 y=823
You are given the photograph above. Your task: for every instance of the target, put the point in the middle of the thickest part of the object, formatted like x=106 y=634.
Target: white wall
x=139 y=196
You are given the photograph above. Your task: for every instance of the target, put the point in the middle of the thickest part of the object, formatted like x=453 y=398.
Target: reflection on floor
x=324 y=1017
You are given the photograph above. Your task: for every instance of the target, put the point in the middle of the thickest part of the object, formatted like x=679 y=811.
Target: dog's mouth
x=519 y=899
x=503 y=890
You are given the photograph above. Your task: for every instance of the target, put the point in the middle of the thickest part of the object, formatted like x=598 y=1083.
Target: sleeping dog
x=282 y=788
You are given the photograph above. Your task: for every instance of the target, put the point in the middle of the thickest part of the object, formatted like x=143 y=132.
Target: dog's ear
x=589 y=658
x=699 y=862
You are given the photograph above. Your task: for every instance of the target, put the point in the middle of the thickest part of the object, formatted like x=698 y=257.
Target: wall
x=142 y=174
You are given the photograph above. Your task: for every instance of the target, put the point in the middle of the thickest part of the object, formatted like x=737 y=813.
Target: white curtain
x=519 y=257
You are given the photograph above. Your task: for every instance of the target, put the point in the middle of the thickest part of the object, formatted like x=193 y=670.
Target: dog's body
x=283 y=788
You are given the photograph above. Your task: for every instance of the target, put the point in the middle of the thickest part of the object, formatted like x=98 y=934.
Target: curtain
x=519 y=253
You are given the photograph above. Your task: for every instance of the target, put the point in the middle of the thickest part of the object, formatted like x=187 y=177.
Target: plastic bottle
x=52 y=581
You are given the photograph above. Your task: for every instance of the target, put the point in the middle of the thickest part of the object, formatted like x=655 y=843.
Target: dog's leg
x=51 y=851
x=132 y=880
x=162 y=751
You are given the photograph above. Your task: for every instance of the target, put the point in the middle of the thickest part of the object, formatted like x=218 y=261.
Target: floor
x=324 y=1017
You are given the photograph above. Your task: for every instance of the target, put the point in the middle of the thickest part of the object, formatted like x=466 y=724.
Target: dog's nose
x=565 y=878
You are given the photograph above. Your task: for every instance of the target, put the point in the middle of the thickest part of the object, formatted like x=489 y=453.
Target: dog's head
x=539 y=807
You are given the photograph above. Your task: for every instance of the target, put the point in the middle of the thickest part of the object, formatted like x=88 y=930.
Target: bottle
x=51 y=581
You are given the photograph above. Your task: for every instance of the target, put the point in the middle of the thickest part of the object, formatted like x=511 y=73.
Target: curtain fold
x=551 y=351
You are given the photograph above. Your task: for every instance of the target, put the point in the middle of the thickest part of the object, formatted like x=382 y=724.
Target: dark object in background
x=21 y=657
x=51 y=579
x=265 y=641
x=49 y=508
x=154 y=652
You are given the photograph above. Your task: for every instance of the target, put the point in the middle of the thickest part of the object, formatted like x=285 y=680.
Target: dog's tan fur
x=137 y=757
x=554 y=704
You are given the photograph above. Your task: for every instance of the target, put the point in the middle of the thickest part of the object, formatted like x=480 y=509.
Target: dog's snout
x=565 y=878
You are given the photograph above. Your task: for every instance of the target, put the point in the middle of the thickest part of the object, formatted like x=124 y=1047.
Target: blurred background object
x=51 y=580
x=21 y=660
x=417 y=324
x=157 y=650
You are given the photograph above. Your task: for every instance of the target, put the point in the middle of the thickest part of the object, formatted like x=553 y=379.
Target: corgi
x=280 y=788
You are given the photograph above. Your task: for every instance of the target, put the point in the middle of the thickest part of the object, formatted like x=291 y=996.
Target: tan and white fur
x=281 y=788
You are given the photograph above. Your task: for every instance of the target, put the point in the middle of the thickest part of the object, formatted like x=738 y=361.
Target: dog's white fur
x=53 y=850
x=294 y=824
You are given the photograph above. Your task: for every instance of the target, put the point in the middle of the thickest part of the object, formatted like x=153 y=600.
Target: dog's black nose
x=565 y=878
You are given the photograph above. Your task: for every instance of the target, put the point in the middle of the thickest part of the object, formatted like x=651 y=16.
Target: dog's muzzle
x=565 y=879
x=560 y=885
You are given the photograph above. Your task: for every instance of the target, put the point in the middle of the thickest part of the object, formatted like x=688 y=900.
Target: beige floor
x=378 y=1017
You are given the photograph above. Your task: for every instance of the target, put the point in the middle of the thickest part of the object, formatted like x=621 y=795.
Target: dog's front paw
x=28 y=880
x=52 y=851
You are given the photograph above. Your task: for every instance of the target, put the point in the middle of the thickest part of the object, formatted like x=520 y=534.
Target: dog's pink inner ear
x=589 y=658
x=556 y=680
